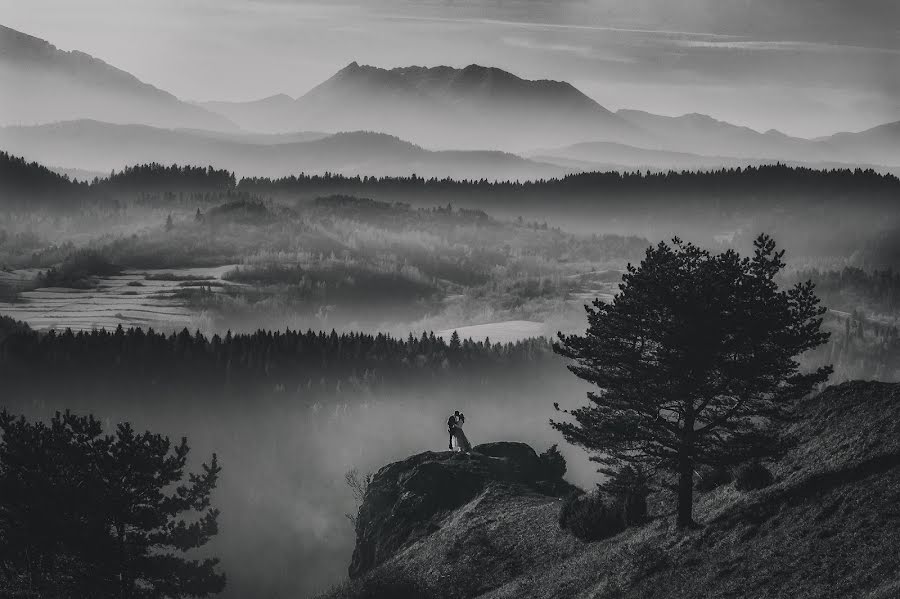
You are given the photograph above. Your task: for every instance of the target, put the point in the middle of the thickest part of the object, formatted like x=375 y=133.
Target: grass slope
x=828 y=527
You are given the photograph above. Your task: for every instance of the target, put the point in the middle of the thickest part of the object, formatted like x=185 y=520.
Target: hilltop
x=828 y=526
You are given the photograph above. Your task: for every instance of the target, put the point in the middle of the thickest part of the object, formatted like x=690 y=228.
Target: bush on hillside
x=713 y=477
x=553 y=463
x=628 y=489
x=752 y=476
x=589 y=517
x=78 y=271
x=241 y=211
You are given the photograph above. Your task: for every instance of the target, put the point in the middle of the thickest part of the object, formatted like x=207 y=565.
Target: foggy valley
x=673 y=339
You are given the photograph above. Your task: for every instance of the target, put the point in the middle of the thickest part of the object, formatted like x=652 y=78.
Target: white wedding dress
x=460 y=441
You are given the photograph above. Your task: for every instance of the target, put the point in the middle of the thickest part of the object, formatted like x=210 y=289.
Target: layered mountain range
x=482 y=112
x=99 y=147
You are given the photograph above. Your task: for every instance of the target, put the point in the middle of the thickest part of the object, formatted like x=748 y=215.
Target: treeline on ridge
x=22 y=177
x=138 y=363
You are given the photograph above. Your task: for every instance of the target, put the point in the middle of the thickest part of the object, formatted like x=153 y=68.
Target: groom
x=452 y=422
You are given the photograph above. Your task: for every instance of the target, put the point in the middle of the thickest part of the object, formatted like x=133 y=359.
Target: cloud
x=793 y=46
x=536 y=25
x=580 y=50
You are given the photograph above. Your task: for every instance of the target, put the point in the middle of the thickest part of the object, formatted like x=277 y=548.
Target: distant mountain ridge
x=487 y=107
x=446 y=107
x=606 y=156
x=704 y=135
x=472 y=83
x=115 y=146
x=43 y=84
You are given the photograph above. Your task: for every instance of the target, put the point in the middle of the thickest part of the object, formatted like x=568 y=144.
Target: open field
x=132 y=299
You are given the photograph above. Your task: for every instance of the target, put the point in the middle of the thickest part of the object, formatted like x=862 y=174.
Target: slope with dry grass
x=829 y=526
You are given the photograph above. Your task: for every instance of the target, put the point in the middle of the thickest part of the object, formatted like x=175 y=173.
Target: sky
x=805 y=67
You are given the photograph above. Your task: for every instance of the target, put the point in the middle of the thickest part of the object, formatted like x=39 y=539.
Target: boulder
x=521 y=457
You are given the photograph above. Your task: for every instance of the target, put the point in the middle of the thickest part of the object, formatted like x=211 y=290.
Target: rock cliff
x=407 y=500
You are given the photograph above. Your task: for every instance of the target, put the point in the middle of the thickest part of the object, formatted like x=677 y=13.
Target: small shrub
x=713 y=477
x=589 y=518
x=358 y=484
x=628 y=488
x=752 y=476
x=78 y=271
x=553 y=463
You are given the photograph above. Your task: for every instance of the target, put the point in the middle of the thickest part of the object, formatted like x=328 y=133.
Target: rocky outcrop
x=407 y=500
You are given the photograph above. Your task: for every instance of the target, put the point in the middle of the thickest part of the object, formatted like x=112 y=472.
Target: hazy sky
x=806 y=67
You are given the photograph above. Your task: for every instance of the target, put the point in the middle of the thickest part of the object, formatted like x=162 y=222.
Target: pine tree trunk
x=685 y=490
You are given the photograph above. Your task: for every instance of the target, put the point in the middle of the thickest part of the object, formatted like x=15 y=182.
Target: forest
x=307 y=366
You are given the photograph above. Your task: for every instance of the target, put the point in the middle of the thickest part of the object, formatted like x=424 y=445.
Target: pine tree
x=91 y=515
x=694 y=360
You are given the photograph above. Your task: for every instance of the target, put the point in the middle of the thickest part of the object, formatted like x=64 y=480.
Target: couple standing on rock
x=458 y=440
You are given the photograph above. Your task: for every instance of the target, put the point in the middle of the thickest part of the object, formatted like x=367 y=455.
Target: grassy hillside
x=828 y=527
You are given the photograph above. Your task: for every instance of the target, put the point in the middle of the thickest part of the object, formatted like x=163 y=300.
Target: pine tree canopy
x=85 y=514
x=693 y=360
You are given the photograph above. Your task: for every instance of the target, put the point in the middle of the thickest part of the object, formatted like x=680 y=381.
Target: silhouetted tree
x=693 y=359
x=83 y=514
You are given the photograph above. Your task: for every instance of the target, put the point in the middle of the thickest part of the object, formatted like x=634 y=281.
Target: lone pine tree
x=694 y=360
x=85 y=514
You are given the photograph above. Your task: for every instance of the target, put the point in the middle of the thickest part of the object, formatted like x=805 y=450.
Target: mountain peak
x=475 y=106
x=477 y=68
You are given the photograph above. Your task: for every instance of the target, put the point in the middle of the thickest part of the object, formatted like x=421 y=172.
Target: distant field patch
x=499 y=332
x=131 y=298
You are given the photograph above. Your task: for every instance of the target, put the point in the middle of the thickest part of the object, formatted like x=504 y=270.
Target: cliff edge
x=407 y=500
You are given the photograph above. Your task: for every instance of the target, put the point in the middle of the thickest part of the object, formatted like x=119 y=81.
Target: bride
x=458 y=440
